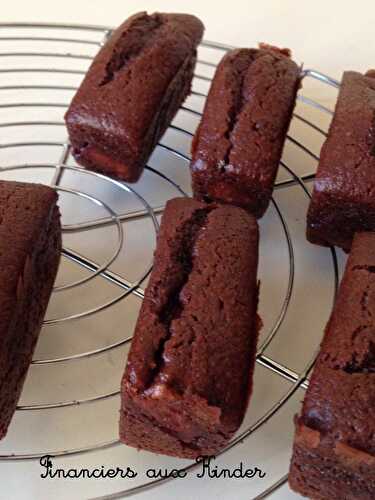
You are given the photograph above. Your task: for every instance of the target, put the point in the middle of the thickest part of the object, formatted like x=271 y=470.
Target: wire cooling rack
x=71 y=399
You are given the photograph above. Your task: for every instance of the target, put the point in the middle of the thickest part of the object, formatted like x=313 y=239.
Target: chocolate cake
x=343 y=199
x=30 y=244
x=189 y=372
x=132 y=91
x=334 y=447
x=238 y=145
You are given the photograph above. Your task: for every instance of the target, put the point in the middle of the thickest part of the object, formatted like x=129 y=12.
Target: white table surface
x=327 y=35
x=331 y=35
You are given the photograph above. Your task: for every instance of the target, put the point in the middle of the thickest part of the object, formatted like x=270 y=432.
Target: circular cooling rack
x=69 y=406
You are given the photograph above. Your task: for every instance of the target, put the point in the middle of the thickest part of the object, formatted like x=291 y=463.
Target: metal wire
x=297 y=380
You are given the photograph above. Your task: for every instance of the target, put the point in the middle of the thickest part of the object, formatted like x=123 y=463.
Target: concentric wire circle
x=117 y=219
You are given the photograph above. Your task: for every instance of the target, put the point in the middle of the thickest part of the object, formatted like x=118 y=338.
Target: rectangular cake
x=238 y=145
x=334 y=447
x=132 y=91
x=343 y=199
x=30 y=244
x=189 y=372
